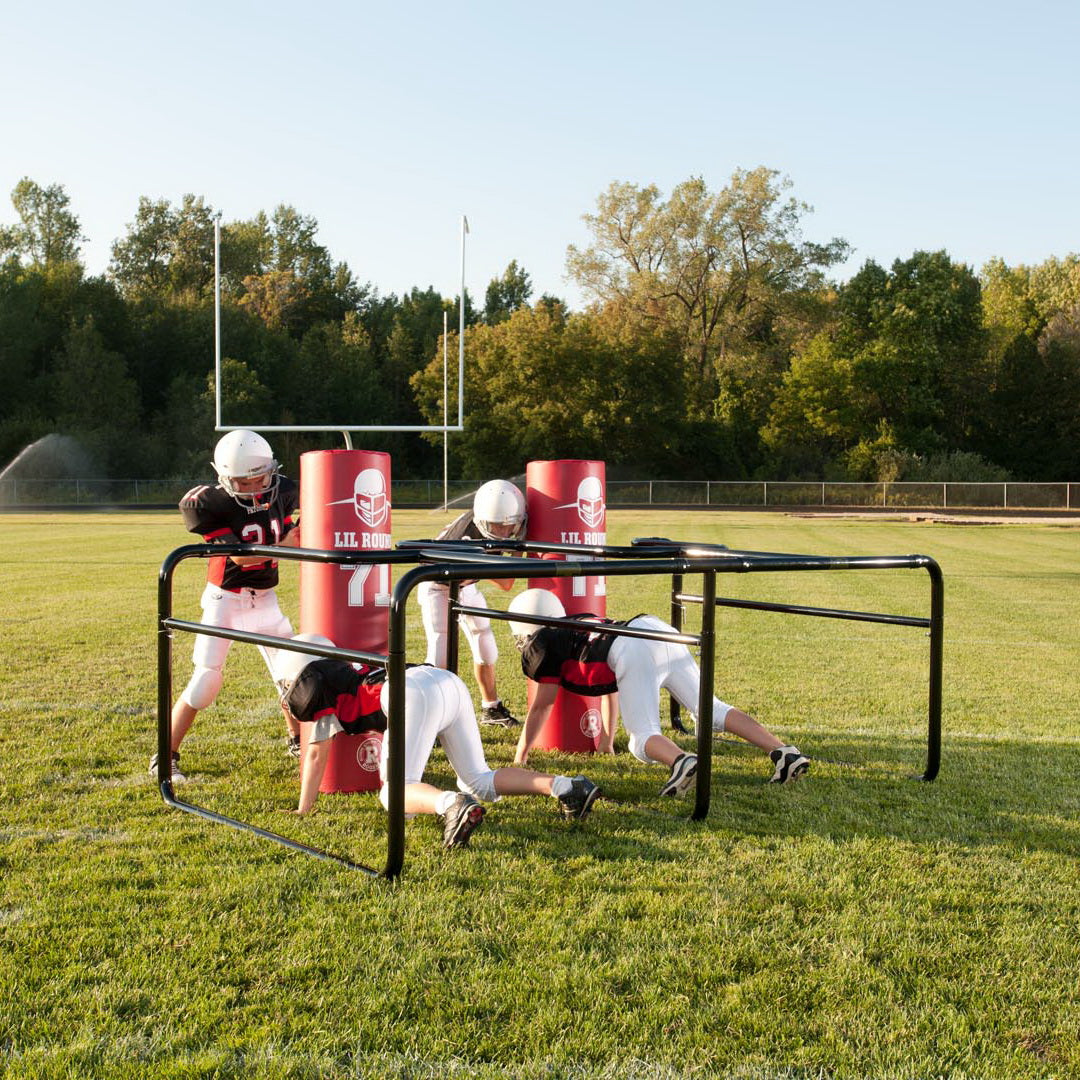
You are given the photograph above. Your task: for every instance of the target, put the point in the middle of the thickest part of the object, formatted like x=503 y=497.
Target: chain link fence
x=719 y=494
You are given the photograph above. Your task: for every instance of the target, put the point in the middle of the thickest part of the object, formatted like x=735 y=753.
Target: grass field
x=858 y=924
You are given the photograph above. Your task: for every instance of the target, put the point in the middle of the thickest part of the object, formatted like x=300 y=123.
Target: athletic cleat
x=683 y=771
x=497 y=715
x=292 y=746
x=790 y=764
x=463 y=817
x=177 y=776
x=577 y=802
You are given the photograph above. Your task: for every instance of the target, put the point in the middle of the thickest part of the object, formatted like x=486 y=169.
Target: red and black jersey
x=350 y=692
x=212 y=513
x=575 y=659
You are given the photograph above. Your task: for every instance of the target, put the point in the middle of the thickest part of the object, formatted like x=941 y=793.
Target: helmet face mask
x=499 y=511
x=246 y=469
x=540 y=602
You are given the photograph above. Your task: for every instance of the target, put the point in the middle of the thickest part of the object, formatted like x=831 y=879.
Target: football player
x=498 y=513
x=252 y=503
x=596 y=664
x=334 y=696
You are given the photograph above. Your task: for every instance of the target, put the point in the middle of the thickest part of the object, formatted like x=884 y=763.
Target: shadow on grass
x=990 y=791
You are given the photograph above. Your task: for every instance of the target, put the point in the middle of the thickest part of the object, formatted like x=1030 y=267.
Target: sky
x=906 y=127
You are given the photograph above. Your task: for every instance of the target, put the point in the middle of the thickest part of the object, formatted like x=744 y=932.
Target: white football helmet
x=289 y=664
x=244 y=455
x=498 y=502
x=541 y=602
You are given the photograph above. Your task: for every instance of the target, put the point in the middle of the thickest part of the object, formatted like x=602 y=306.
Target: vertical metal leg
x=395 y=732
x=705 y=697
x=937 y=638
x=453 y=641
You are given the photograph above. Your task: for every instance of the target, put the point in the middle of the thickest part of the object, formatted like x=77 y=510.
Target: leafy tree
x=24 y=337
x=335 y=378
x=506 y=294
x=904 y=369
x=95 y=398
x=1055 y=285
x=244 y=399
x=1034 y=412
x=48 y=234
x=814 y=417
x=168 y=252
x=708 y=266
x=285 y=247
x=1009 y=307
x=542 y=385
x=278 y=298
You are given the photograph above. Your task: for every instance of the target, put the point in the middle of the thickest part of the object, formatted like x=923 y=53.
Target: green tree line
x=713 y=344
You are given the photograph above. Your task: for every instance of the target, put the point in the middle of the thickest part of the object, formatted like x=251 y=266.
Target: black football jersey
x=461 y=528
x=575 y=659
x=350 y=693
x=212 y=513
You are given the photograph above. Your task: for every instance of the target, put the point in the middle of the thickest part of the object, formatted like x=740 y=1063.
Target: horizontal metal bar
x=293 y=845
x=797 y=609
x=268 y=641
x=590 y=625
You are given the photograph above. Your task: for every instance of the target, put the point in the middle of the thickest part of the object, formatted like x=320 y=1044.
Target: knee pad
x=637 y=747
x=203 y=687
x=481 y=786
x=720 y=710
x=485 y=650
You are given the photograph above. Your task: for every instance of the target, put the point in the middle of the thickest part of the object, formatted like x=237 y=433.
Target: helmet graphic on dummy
x=369 y=498
x=498 y=502
x=590 y=502
x=539 y=602
x=246 y=455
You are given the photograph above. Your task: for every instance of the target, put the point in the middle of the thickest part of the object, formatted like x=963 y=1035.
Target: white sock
x=490 y=704
x=561 y=785
x=444 y=802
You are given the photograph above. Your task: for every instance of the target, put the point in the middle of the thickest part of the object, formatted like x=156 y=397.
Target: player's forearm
x=609 y=722
x=530 y=732
x=247 y=560
x=314 y=767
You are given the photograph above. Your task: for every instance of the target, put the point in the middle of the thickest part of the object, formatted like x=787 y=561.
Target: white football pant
x=642 y=669
x=254 y=610
x=434 y=604
x=438 y=706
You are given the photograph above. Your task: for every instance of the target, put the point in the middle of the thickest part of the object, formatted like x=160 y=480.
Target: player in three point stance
x=334 y=696
x=634 y=669
x=498 y=513
x=252 y=503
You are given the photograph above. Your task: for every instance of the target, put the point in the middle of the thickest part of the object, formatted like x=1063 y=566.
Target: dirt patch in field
x=1068 y=519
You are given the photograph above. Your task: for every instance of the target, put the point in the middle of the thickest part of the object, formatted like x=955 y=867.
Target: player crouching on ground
x=334 y=696
x=593 y=663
